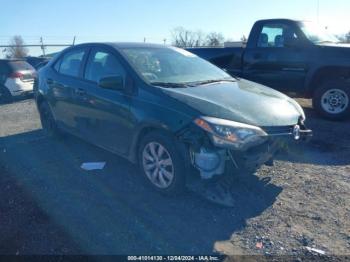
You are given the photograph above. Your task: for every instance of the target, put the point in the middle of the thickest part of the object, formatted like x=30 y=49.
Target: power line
x=46 y=45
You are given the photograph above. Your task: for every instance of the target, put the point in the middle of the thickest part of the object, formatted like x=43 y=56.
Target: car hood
x=242 y=101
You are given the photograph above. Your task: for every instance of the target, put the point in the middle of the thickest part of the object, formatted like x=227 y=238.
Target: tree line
x=180 y=37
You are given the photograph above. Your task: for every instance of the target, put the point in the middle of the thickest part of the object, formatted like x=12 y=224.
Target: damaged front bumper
x=211 y=160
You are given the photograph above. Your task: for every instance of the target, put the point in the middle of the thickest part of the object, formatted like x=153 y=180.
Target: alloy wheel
x=158 y=165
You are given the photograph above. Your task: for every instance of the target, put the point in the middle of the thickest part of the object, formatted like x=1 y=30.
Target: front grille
x=278 y=130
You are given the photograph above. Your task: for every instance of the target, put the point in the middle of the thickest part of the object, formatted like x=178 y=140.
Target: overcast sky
x=132 y=20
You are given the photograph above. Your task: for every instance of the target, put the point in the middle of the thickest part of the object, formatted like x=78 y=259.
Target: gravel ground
x=50 y=206
x=313 y=209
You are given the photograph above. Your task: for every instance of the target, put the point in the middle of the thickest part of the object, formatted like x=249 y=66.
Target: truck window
x=276 y=35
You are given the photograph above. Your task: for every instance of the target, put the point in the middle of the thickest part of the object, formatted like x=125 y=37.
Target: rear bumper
x=18 y=87
x=19 y=93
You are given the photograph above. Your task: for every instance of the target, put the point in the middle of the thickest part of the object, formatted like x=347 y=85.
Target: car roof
x=12 y=60
x=121 y=45
x=278 y=20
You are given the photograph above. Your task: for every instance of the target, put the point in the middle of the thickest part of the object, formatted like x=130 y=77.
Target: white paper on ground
x=93 y=165
x=319 y=251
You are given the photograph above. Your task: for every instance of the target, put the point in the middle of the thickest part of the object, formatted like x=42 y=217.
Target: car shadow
x=17 y=99
x=112 y=211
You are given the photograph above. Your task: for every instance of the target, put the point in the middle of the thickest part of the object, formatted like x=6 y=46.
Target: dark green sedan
x=165 y=109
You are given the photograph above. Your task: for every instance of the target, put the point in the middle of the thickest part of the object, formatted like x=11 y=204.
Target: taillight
x=16 y=75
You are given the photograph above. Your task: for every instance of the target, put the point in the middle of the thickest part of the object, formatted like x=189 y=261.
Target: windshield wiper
x=326 y=42
x=199 y=83
x=169 y=84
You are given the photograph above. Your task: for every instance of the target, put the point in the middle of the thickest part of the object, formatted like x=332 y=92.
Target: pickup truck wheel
x=5 y=95
x=332 y=100
x=161 y=163
x=47 y=120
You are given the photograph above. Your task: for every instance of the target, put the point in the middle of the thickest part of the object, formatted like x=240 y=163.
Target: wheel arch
x=327 y=73
x=142 y=131
x=39 y=98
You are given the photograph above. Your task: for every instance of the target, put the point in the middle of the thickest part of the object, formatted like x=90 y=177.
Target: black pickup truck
x=292 y=57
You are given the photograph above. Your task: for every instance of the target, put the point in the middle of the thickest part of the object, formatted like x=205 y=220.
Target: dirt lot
x=49 y=205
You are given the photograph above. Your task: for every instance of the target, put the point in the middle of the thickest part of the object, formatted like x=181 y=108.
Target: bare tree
x=347 y=37
x=244 y=39
x=182 y=37
x=344 y=38
x=215 y=39
x=16 y=50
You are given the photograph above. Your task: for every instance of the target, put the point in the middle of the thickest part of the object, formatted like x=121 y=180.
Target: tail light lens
x=16 y=75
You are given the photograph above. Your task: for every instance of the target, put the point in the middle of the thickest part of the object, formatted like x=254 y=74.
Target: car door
x=110 y=122
x=278 y=59
x=65 y=84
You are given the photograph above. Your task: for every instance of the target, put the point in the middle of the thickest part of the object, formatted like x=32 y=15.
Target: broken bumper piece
x=211 y=162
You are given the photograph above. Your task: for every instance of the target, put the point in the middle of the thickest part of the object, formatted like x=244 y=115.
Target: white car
x=16 y=79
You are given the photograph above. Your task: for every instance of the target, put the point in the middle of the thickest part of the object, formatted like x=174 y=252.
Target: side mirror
x=112 y=82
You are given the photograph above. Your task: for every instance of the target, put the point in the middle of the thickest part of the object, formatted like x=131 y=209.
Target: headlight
x=299 y=108
x=226 y=133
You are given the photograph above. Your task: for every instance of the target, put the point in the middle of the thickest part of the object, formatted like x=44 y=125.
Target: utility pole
x=74 y=40
x=318 y=11
x=42 y=45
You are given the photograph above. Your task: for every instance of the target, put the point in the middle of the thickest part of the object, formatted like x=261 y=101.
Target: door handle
x=80 y=91
x=50 y=81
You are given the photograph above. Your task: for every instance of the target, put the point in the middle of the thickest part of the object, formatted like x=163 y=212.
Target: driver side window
x=103 y=64
x=276 y=35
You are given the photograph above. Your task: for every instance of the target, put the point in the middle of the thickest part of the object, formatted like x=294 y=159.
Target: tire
x=47 y=120
x=332 y=100
x=5 y=95
x=161 y=163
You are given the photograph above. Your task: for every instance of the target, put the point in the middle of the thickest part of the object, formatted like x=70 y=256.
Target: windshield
x=172 y=66
x=317 y=34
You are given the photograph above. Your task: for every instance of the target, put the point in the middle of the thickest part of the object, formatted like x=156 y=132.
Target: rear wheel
x=47 y=120
x=5 y=95
x=161 y=163
x=332 y=100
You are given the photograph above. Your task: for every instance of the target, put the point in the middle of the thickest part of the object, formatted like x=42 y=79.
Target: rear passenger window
x=71 y=63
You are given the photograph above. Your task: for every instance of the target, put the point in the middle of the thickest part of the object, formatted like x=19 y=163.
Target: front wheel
x=161 y=163
x=332 y=100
